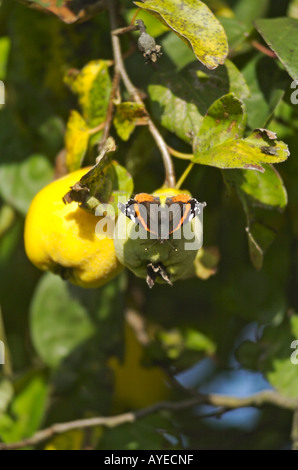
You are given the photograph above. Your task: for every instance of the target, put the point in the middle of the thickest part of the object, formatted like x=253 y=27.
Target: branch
x=223 y=402
x=132 y=90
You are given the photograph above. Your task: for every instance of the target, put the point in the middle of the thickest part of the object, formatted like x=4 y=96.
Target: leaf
x=126 y=118
x=68 y=11
x=153 y=26
x=267 y=84
x=6 y=394
x=4 y=54
x=206 y=262
x=225 y=120
x=102 y=183
x=260 y=238
x=180 y=100
x=76 y=141
x=27 y=410
x=272 y=355
x=257 y=189
x=19 y=182
x=250 y=153
x=58 y=321
x=149 y=433
x=237 y=33
x=247 y=12
x=195 y=24
x=179 y=53
x=281 y=34
x=260 y=189
x=93 y=86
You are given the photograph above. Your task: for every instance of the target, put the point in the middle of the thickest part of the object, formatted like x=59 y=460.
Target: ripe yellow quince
x=61 y=237
x=136 y=386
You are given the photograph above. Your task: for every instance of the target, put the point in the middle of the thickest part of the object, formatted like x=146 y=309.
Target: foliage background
x=230 y=333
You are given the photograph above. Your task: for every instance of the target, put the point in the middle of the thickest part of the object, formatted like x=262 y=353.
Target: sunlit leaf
x=126 y=118
x=27 y=410
x=76 y=141
x=195 y=24
x=249 y=153
x=225 y=120
x=92 y=85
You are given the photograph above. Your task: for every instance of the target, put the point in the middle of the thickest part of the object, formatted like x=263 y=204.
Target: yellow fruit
x=136 y=386
x=61 y=237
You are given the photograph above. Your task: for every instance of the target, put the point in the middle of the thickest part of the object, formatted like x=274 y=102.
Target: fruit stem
x=184 y=175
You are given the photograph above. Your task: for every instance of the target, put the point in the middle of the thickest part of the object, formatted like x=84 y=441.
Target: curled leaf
x=195 y=23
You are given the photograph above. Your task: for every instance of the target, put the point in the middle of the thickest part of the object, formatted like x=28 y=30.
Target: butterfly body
x=161 y=216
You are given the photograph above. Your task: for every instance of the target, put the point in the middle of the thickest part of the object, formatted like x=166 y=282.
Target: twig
x=258 y=400
x=176 y=153
x=260 y=47
x=109 y=117
x=184 y=175
x=131 y=89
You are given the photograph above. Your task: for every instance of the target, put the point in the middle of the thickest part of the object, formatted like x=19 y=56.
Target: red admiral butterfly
x=161 y=216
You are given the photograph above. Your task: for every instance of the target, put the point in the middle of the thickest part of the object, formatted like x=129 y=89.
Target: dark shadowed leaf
x=267 y=84
x=281 y=35
x=19 y=182
x=69 y=11
x=59 y=322
x=181 y=100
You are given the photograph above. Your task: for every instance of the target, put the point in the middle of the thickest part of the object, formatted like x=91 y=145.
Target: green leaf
x=148 y=433
x=267 y=84
x=19 y=182
x=180 y=100
x=93 y=86
x=250 y=153
x=59 y=323
x=281 y=34
x=153 y=26
x=6 y=394
x=237 y=33
x=272 y=355
x=105 y=182
x=126 y=118
x=260 y=238
x=76 y=141
x=257 y=189
x=194 y=23
x=247 y=12
x=176 y=50
x=266 y=189
x=4 y=53
x=225 y=120
x=27 y=410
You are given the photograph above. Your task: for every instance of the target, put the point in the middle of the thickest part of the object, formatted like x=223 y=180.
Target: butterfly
x=161 y=216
